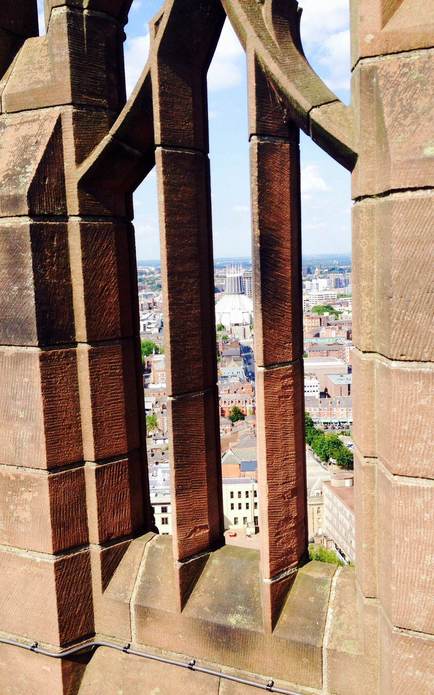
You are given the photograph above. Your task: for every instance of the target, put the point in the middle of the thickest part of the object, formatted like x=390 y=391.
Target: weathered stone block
x=404 y=406
x=406 y=661
x=187 y=271
x=389 y=26
x=115 y=497
x=109 y=389
x=282 y=481
x=77 y=61
x=40 y=76
x=97 y=69
x=83 y=130
x=392 y=403
x=365 y=496
x=351 y=647
x=116 y=8
x=36 y=301
x=196 y=473
x=222 y=621
x=45 y=598
x=103 y=284
x=276 y=251
x=114 y=573
x=405 y=513
x=40 y=425
x=112 y=672
x=267 y=115
x=31 y=165
x=394 y=121
x=179 y=73
x=40 y=512
x=364 y=430
x=25 y=672
x=392 y=292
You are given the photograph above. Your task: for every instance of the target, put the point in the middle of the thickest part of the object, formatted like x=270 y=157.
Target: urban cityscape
x=327 y=328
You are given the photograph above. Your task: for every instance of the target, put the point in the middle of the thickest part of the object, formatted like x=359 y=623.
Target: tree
x=322 y=309
x=149 y=348
x=151 y=423
x=345 y=459
x=321 y=447
x=236 y=414
x=220 y=327
x=334 y=445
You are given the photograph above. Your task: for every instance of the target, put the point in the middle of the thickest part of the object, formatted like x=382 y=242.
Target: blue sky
x=325 y=184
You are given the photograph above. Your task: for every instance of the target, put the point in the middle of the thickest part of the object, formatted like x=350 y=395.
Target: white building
x=339 y=522
x=159 y=489
x=311 y=299
x=235 y=309
x=311 y=385
x=235 y=313
x=240 y=503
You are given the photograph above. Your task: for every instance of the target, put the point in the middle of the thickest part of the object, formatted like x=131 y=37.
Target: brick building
x=92 y=600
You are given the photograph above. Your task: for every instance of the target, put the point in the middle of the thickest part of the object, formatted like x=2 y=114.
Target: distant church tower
x=234 y=280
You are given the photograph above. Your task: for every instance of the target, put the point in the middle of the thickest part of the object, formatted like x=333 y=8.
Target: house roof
x=248 y=466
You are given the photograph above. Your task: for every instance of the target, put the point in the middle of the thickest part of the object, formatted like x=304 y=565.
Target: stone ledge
x=222 y=619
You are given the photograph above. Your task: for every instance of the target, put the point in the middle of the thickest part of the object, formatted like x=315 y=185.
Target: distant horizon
x=333 y=254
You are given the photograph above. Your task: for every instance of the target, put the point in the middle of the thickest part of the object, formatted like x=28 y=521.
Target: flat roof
x=340 y=378
x=238 y=481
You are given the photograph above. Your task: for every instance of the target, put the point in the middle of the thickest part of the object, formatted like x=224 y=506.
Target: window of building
x=232 y=495
x=256 y=505
x=247 y=493
x=235 y=521
x=164 y=510
x=164 y=521
x=255 y=493
x=244 y=520
x=239 y=505
x=256 y=521
x=232 y=505
x=247 y=505
x=239 y=494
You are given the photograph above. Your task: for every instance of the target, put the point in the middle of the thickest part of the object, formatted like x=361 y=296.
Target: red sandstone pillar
x=72 y=456
x=180 y=59
x=275 y=171
x=393 y=64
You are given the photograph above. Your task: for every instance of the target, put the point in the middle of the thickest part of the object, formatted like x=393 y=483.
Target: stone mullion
x=275 y=176
x=181 y=133
x=190 y=351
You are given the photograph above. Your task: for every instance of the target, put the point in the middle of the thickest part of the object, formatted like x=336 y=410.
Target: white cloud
x=136 y=55
x=335 y=57
x=326 y=38
x=227 y=66
x=312 y=181
x=321 y=19
x=242 y=209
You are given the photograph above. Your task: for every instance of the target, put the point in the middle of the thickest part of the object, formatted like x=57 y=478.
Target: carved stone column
x=393 y=181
